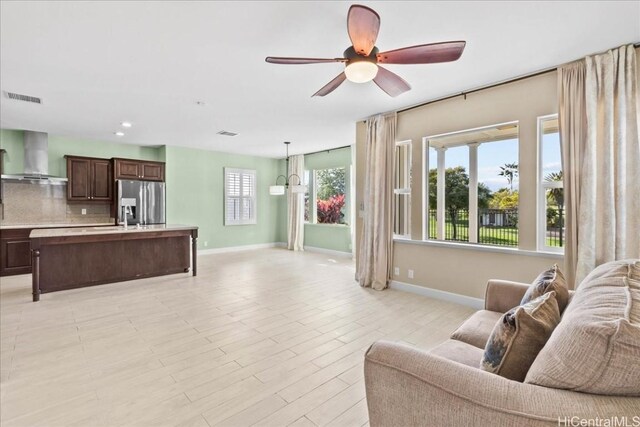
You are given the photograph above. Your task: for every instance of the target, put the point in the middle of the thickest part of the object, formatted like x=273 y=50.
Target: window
x=550 y=188
x=471 y=186
x=329 y=189
x=402 y=190
x=306 y=180
x=240 y=196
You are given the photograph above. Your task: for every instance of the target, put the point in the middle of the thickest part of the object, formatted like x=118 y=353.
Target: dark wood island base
x=75 y=258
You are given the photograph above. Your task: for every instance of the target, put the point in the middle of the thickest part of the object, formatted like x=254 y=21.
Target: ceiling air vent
x=226 y=133
x=25 y=98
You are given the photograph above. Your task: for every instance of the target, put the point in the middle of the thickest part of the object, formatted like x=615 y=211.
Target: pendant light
x=279 y=189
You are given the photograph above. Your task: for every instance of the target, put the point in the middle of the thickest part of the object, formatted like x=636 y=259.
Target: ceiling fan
x=363 y=58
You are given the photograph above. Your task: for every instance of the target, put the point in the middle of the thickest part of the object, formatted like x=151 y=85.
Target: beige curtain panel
x=295 y=205
x=598 y=112
x=572 y=119
x=376 y=243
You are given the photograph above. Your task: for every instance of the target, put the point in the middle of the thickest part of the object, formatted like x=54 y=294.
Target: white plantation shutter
x=240 y=196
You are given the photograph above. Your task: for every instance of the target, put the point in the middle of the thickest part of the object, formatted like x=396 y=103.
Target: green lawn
x=502 y=236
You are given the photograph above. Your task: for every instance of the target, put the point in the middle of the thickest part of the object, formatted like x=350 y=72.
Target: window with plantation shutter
x=240 y=196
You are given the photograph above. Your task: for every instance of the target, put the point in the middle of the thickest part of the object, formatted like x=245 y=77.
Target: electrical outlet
x=84 y=211
x=396 y=271
x=206 y=244
x=410 y=274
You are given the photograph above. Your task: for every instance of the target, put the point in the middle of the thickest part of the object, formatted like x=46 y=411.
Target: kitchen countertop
x=55 y=225
x=96 y=230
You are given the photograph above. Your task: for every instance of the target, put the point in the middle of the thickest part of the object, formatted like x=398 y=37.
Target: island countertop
x=115 y=229
x=55 y=225
x=69 y=258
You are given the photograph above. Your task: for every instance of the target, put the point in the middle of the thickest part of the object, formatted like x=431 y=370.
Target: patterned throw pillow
x=547 y=281
x=519 y=336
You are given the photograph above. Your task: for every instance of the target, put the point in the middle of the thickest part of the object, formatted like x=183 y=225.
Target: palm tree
x=509 y=171
x=557 y=195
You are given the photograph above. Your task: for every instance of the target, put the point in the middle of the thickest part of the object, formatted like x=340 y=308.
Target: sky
x=492 y=155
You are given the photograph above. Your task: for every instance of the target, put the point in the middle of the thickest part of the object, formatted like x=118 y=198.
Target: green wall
x=195 y=191
x=194 y=178
x=13 y=142
x=329 y=236
x=195 y=195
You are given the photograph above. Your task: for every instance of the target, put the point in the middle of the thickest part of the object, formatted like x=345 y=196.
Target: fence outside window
x=495 y=227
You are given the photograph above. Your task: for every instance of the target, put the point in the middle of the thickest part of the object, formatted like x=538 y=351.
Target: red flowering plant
x=330 y=210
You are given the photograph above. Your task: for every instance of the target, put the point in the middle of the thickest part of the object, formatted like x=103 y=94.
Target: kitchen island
x=69 y=258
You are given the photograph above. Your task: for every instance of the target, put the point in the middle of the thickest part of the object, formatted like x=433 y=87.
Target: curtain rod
x=489 y=86
x=478 y=89
x=327 y=150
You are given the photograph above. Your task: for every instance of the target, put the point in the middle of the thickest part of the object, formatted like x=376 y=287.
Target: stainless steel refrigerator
x=143 y=202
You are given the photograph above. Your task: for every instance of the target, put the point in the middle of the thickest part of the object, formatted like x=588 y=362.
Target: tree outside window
x=480 y=163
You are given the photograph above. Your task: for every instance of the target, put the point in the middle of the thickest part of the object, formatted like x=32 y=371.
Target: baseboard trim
x=329 y=252
x=476 y=303
x=240 y=248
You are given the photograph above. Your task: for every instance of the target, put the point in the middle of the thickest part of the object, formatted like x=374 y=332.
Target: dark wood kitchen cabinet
x=15 y=251
x=90 y=179
x=142 y=170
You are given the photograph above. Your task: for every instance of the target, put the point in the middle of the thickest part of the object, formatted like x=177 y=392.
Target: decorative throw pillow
x=519 y=336
x=547 y=281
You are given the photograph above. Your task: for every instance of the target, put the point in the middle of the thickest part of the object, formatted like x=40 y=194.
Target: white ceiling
x=96 y=64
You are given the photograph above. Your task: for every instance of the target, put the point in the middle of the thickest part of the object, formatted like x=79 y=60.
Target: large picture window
x=551 y=213
x=240 y=196
x=471 y=186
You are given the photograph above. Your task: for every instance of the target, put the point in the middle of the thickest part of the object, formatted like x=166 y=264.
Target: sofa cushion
x=460 y=352
x=596 y=347
x=519 y=336
x=549 y=280
x=477 y=328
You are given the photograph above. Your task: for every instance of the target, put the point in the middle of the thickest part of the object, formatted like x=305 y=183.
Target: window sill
x=326 y=225
x=480 y=248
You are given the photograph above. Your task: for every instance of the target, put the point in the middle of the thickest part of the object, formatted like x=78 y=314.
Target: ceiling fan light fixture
x=361 y=71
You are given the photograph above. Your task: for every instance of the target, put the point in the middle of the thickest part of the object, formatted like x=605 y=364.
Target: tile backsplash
x=29 y=204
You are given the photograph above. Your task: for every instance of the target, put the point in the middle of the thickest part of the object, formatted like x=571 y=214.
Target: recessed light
x=126 y=124
x=119 y=133
x=201 y=103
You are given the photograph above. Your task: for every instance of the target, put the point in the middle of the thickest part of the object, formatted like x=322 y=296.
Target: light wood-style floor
x=266 y=337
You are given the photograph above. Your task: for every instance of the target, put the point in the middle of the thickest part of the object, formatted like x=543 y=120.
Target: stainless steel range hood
x=36 y=161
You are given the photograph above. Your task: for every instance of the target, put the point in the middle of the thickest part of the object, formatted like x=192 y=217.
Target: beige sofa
x=445 y=387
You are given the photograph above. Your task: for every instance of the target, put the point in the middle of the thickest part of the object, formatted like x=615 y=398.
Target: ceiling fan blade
x=297 y=61
x=363 y=25
x=390 y=82
x=424 y=53
x=332 y=85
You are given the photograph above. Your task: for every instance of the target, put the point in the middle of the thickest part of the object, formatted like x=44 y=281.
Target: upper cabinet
x=143 y=170
x=90 y=179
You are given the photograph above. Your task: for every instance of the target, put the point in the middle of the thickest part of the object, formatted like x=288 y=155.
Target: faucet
x=127 y=211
